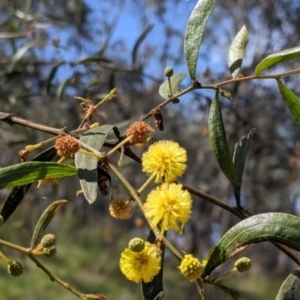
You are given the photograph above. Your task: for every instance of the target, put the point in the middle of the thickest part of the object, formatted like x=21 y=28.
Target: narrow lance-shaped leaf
x=19 y=54
x=237 y=50
x=278 y=227
x=218 y=141
x=52 y=75
x=194 y=33
x=87 y=165
x=290 y=288
x=17 y=194
x=291 y=101
x=154 y=289
x=176 y=80
x=139 y=42
x=273 y=59
x=62 y=86
x=95 y=58
x=240 y=154
x=29 y=172
x=44 y=220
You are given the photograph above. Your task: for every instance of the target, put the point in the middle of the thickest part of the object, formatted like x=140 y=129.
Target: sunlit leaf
x=17 y=193
x=62 y=86
x=290 y=288
x=291 y=101
x=276 y=58
x=139 y=42
x=237 y=50
x=87 y=165
x=194 y=33
x=19 y=54
x=176 y=80
x=44 y=220
x=29 y=172
x=277 y=227
x=93 y=82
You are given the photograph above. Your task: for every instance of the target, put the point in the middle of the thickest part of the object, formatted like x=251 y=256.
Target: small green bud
x=226 y=94
x=169 y=72
x=243 y=264
x=48 y=240
x=50 y=251
x=136 y=245
x=15 y=268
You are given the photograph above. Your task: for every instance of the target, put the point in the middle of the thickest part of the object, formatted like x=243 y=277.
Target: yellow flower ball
x=165 y=160
x=138 y=266
x=168 y=205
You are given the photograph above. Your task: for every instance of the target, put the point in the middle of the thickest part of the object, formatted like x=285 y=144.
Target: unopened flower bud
x=48 y=240
x=15 y=268
x=169 y=71
x=50 y=251
x=243 y=264
x=136 y=244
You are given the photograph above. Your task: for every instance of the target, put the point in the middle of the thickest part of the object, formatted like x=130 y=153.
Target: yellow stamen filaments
x=168 y=206
x=166 y=160
x=140 y=266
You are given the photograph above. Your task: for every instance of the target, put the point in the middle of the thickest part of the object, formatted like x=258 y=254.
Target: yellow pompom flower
x=168 y=205
x=190 y=267
x=138 y=266
x=165 y=160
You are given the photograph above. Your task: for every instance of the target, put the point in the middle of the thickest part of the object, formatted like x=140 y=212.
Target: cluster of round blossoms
x=168 y=207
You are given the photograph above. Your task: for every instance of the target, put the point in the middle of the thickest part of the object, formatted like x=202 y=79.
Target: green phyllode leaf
x=276 y=227
x=290 y=288
x=194 y=33
x=237 y=50
x=154 y=289
x=291 y=101
x=44 y=220
x=19 y=54
x=240 y=154
x=176 y=80
x=87 y=165
x=139 y=42
x=17 y=193
x=273 y=59
x=218 y=141
x=52 y=75
x=29 y=172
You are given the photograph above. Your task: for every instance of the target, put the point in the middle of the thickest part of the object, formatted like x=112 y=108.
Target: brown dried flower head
x=66 y=145
x=120 y=208
x=139 y=131
x=158 y=118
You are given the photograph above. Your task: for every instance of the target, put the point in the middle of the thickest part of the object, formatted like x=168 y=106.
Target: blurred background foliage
x=52 y=50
